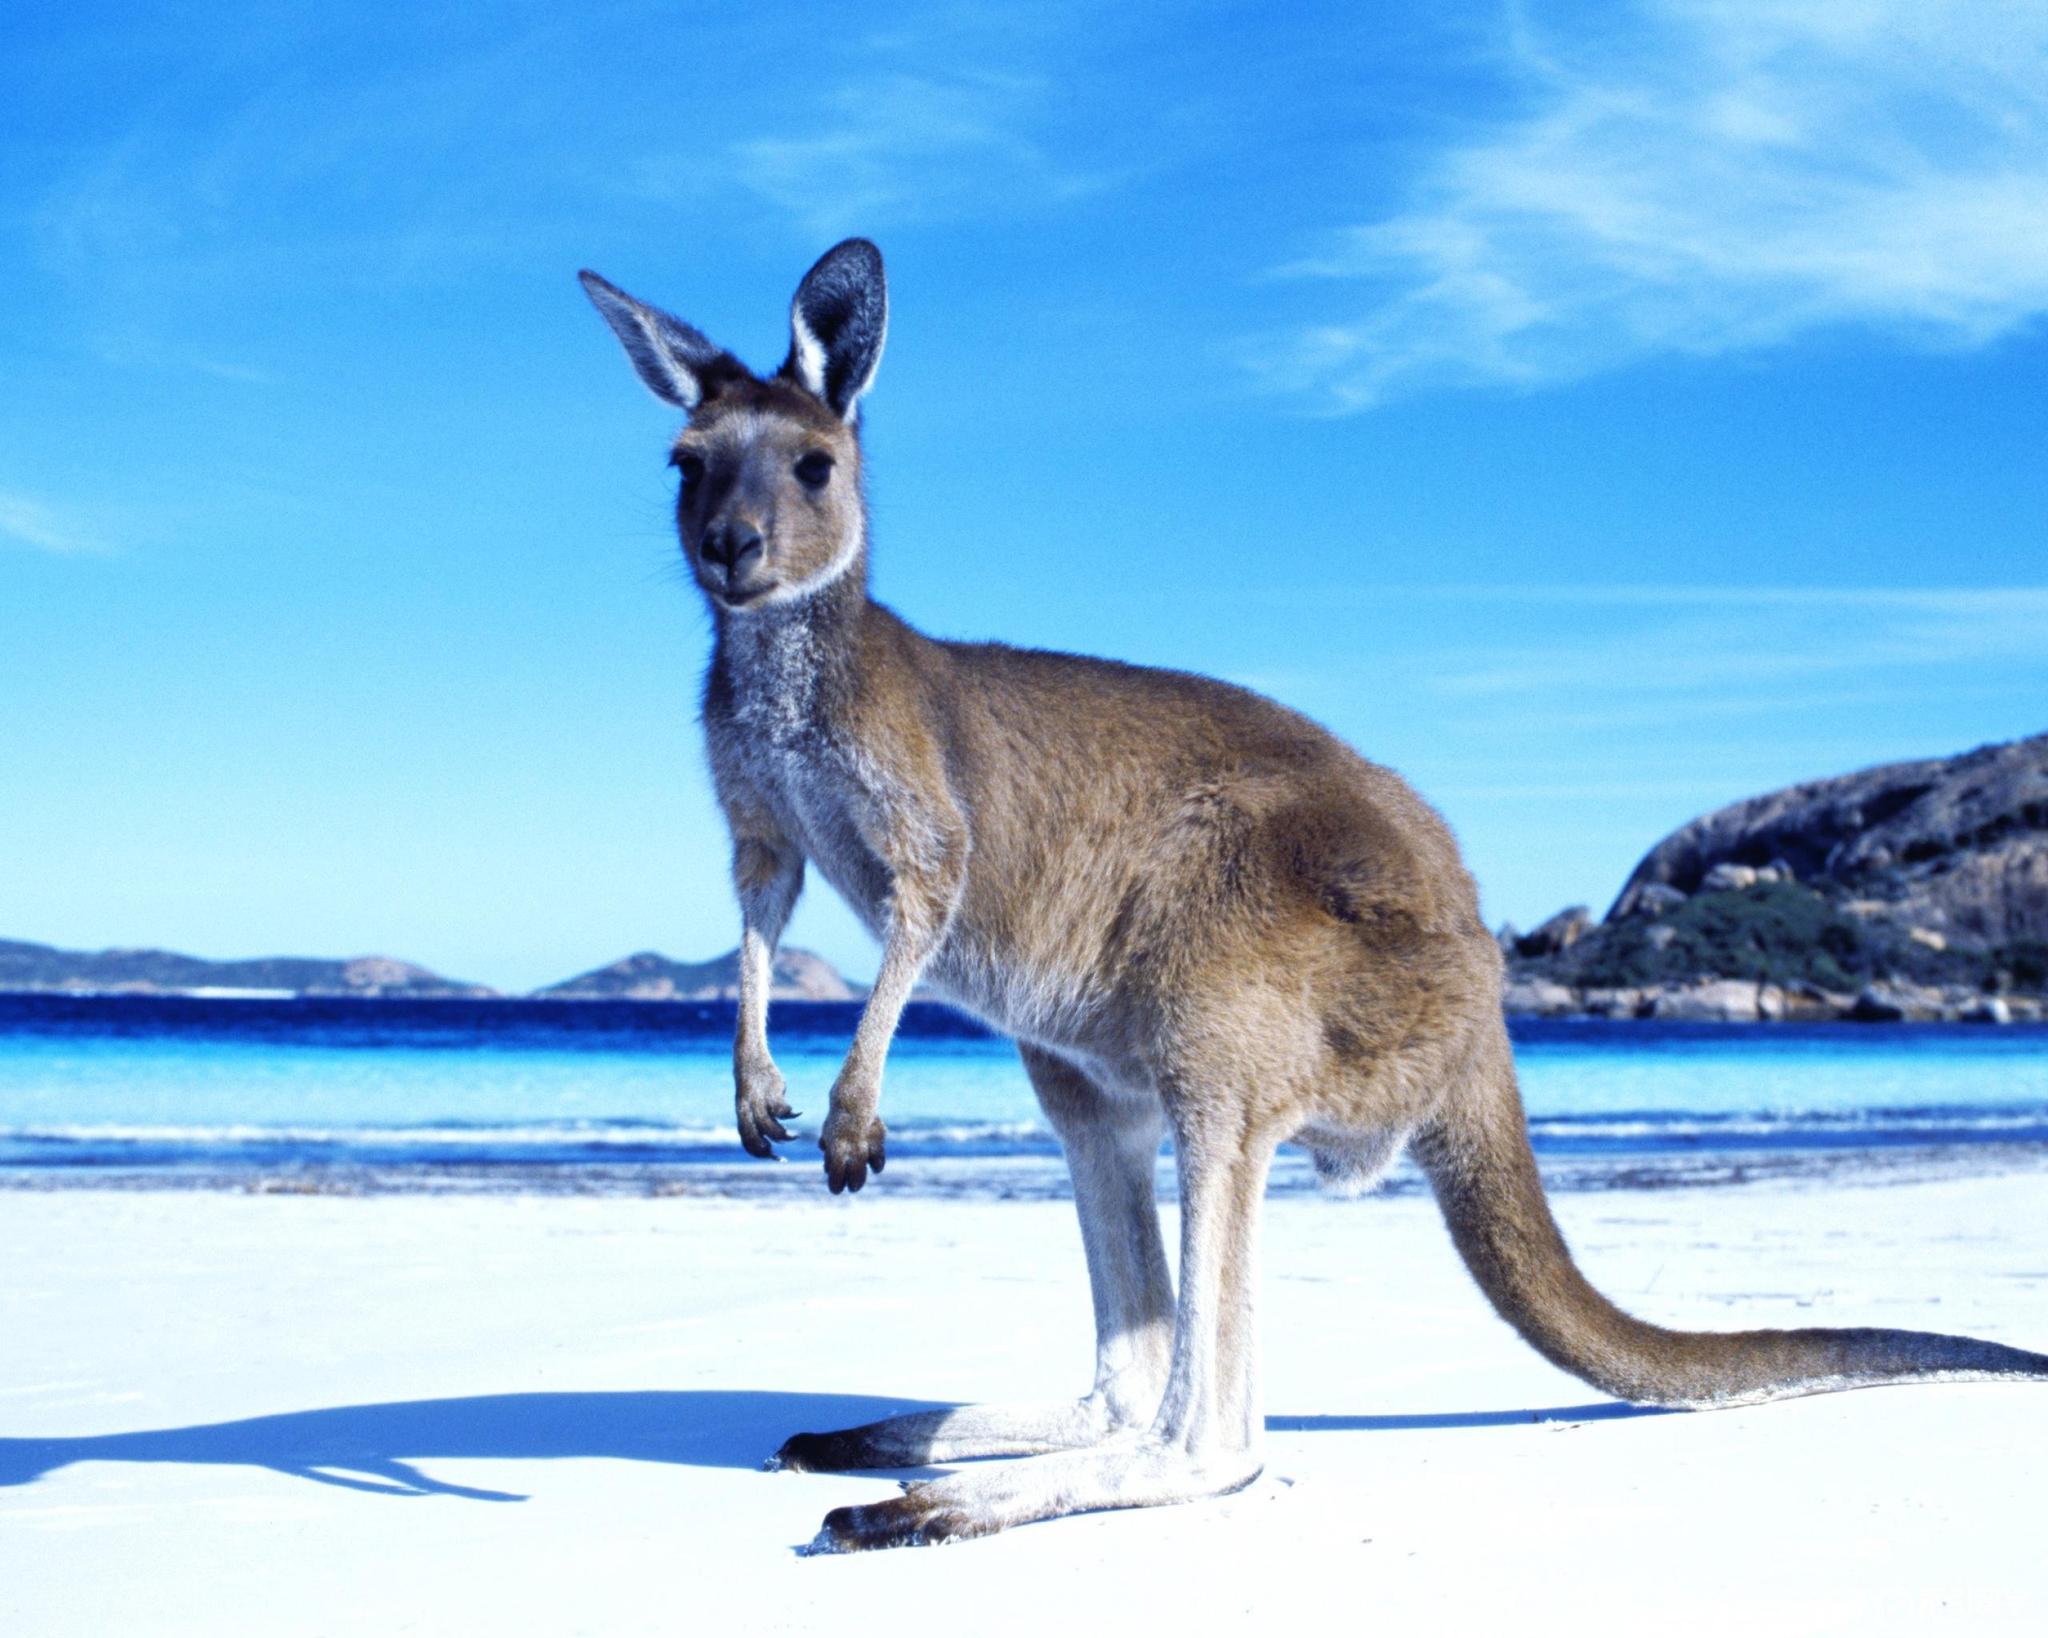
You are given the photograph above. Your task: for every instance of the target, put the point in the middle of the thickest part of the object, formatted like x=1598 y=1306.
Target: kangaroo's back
x=1130 y=826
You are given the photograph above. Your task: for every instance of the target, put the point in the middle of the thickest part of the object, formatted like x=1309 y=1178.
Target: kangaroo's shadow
x=373 y=1447
x=1606 y=1410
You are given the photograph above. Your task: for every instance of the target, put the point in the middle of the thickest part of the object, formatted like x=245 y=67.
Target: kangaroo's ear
x=837 y=324
x=678 y=363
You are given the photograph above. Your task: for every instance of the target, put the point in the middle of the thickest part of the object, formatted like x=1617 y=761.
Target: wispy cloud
x=1730 y=595
x=1721 y=651
x=1517 y=661
x=1702 y=177
x=277 y=170
x=898 y=146
x=125 y=346
x=25 y=521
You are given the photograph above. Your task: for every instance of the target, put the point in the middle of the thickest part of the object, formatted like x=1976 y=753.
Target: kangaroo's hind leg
x=1208 y=1437
x=1111 y=1147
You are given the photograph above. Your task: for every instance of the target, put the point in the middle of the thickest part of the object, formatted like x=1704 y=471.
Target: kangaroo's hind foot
x=1137 y=1472
x=964 y=1434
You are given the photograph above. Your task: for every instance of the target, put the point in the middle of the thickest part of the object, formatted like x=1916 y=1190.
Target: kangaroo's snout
x=735 y=546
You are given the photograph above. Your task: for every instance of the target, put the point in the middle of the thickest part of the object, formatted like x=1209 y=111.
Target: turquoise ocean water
x=188 y=1087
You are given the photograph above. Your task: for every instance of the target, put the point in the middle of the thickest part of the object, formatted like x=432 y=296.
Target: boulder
x=1711 y=1000
x=1537 y=998
x=1654 y=899
x=1556 y=935
x=1601 y=1002
x=1957 y=845
x=1896 y=1003
x=1809 y=1003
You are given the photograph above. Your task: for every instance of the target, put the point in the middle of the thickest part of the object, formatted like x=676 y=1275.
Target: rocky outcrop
x=1745 y=1001
x=1711 y=1001
x=25 y=966
x=1540 y=998
x=1555 y=936
x=1902 y=893
x=1955 y=846
x=651 y=976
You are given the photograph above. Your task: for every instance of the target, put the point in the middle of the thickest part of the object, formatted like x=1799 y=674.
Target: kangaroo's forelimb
x=907 y=819
x=768 y=877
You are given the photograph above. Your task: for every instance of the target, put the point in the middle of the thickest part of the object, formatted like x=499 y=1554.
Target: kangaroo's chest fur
x=773 y=717
x=792 y=709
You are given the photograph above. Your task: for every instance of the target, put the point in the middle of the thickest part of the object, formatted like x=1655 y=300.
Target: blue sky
x=1599 y=413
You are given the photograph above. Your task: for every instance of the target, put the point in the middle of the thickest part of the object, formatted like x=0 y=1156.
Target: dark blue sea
x=609 y=1094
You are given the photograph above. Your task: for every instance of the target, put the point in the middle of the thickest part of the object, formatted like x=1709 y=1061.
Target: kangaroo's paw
x=761 y=1105
x=909 y=1520
x=964 y=1505
x=852 y=1142
x=825 y=1453
x=967 y=1433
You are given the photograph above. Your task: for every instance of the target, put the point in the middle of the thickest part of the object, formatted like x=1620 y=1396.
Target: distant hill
x=25 y=966
x=1917 y=889
x=650 y=976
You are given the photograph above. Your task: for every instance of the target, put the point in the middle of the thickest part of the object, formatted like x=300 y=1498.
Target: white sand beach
x=225 y=1412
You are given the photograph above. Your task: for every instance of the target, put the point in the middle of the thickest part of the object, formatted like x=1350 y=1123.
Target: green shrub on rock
x=1772 y=932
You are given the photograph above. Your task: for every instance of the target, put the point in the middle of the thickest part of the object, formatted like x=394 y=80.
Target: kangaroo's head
x=769 y=506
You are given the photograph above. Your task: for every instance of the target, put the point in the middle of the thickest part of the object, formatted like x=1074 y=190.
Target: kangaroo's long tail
x=1477 y=1156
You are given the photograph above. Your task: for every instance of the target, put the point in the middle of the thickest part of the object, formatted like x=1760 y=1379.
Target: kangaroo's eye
x=690 y=466
x=814 y=470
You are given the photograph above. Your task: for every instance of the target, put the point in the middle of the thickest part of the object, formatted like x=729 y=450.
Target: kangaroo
x=1196 y=912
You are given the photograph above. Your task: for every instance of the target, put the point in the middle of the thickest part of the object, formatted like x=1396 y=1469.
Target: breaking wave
x=572 y=1143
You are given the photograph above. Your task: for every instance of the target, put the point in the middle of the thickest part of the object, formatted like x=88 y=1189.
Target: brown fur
x=1192 y=907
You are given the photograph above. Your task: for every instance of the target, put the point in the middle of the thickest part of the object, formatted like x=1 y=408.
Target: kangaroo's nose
x=733 y=547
